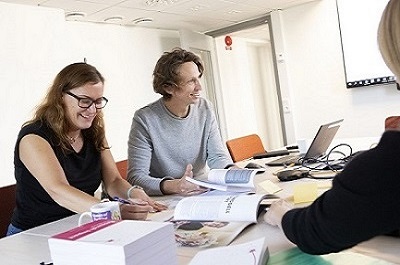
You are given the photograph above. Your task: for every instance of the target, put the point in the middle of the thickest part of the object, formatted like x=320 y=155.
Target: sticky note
x=326 y=185
x=269 y=186
x=305 y=192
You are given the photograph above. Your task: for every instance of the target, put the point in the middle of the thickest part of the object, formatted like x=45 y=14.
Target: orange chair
x=245 y=147
x=392 y=122
x=123 y=168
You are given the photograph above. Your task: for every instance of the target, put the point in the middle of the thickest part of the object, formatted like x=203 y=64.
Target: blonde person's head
x=389 y=36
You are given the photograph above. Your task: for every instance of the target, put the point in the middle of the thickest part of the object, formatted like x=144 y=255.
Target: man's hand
x=182 y=186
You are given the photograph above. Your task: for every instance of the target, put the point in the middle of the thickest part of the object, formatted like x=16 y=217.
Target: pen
x=131 y=201
x=118 y=199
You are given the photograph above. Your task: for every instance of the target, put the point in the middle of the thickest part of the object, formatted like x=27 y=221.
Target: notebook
x=318 y=146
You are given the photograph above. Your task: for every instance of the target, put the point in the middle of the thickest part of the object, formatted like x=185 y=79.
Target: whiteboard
x=358 y=21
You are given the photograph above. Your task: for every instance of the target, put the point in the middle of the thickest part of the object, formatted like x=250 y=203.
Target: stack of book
x=115 y=242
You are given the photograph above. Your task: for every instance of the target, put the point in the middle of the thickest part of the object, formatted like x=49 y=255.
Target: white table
x=31 y=247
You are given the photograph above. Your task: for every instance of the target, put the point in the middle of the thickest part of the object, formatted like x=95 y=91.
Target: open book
x=228 y=208
x=214 y=220
x=233 y=180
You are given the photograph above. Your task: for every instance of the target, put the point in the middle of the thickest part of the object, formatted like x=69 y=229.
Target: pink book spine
x=84 y=230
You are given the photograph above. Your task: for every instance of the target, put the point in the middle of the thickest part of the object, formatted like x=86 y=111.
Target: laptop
x=317 y=149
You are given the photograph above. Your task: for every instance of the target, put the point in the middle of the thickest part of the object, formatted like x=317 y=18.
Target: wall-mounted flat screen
x=358 y=21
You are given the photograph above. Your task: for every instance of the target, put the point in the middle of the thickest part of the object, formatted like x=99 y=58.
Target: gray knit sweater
x=161 y=145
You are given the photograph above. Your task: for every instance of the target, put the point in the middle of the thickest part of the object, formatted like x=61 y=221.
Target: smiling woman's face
x=82 y=118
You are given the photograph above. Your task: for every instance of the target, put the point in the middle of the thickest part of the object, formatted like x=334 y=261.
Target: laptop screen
x=317 y=149
x=323 y=139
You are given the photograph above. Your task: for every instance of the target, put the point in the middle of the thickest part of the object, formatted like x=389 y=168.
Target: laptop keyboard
x=286 y=160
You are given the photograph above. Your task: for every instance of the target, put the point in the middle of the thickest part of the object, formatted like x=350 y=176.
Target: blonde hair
x=389 y=36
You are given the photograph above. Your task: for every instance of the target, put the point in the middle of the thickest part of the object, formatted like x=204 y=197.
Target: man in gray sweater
x=176 y=136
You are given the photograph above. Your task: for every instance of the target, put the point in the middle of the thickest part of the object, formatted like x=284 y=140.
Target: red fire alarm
x=228 y=42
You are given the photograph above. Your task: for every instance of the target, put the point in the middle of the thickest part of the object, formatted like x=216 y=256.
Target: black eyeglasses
x=86 y=102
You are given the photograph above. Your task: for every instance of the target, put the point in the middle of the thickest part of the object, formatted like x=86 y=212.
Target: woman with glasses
x=62 y=155
x=174 y=137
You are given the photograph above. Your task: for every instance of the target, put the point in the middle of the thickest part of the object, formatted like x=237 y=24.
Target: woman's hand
x=136 y=210
x=276 y=212
x=139 y=197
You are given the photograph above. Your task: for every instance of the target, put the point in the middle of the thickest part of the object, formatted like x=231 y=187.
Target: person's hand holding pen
x=138 y=207
x=135 y=209
x=138 y=196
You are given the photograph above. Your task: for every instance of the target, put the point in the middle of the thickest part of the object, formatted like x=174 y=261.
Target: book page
x=219 y=208
x=249 y=253
x=189 y=234
x=232 y=177
x=221 y=187
x=232 y=180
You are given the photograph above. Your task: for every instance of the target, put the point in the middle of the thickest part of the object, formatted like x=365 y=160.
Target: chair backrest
x=122 y=168
x=245 y=147
x=7 y=204
x=392 y=122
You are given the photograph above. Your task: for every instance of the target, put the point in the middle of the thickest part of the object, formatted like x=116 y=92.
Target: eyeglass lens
x=86 y=102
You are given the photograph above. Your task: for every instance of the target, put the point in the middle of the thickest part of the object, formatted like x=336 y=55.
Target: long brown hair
x=51 y=111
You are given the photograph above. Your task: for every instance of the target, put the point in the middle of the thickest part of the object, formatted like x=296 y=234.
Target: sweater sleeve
x=361 y=204
x=139 y=157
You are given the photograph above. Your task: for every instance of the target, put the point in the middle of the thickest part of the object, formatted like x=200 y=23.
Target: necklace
x=71 y=139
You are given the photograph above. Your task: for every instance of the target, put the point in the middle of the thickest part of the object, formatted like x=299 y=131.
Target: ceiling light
x=142 y=20
x=115 y=19
x=75 y=15
x=160 y=2
x=197 y=8
x=233 y=12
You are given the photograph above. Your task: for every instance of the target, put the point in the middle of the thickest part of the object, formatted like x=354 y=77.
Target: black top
x=364 y=202
x=34 y=205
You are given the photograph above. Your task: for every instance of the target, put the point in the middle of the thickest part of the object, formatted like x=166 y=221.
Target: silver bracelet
x=128 y=193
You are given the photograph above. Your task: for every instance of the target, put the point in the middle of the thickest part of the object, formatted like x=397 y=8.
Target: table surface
x=31 y=246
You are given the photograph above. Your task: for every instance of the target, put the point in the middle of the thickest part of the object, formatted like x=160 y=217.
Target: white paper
x=249 y=253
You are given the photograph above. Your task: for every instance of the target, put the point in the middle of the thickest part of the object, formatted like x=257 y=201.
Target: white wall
x=36 y=43
x=314 y=62
x=249 y=90
x=236 y=86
